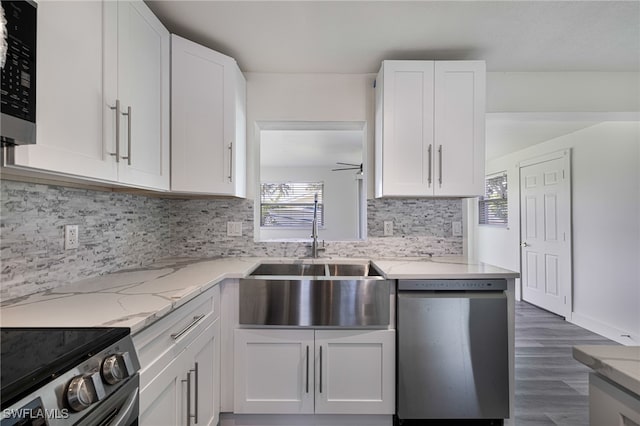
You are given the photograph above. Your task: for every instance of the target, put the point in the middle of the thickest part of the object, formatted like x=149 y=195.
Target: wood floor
x=551 y=387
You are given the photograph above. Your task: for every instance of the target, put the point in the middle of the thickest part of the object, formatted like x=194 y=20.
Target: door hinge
x=563 y=174
x=374 y=83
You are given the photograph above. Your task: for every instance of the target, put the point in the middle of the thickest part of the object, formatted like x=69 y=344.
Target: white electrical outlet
x=388 y=228
x=456 y=228
x=71 y=239
x=234 y=229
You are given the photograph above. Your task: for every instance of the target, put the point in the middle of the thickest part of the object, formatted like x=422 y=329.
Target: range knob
x=116 y=368
x=84 y=390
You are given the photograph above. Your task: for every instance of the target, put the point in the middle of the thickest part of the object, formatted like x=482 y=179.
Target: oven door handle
x=128 y=409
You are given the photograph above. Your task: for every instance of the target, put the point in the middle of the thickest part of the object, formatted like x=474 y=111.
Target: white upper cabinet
x=121 y=58
x=69 y=94
x=137 y=50
x=208 y=136
x=430 y=128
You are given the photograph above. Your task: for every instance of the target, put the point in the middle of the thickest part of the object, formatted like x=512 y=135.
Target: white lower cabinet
x=180 y=372
x=314 y=371
x=611 y=404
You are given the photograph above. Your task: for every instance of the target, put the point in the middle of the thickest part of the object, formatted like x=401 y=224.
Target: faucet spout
x=314 y=229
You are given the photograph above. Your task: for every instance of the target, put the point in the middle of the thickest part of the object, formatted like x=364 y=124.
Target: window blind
x=493 y=206
x=290 y=204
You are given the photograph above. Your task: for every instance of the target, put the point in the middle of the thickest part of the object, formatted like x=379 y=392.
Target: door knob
x=524 y=244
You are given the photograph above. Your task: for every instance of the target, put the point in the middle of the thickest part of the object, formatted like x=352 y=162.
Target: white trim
x=544 y=157
x=617 y=335
x=564 y=116
x=567 y=250
x=227 y=419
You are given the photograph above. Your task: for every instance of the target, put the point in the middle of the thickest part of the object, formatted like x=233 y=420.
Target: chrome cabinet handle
x=188 y=380
x=195 y=371
x=430 y=167
x=440 y=165
x=128 y=157
x=117 y=110
x=307 y=385
x=320 y=369
x=196 y=319
x=231 y=162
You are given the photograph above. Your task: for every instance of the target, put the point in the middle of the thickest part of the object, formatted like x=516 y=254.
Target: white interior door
x=545 y=233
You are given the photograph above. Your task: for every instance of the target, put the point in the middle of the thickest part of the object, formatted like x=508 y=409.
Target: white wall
x=563 y=91
x=307 y=97
x=606 y=225
x=340 y=203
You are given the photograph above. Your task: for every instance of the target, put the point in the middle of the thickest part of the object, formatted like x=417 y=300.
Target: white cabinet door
x=356 y=372
x=143 y=91
x=459 y=128
x=69 y=94
x=203 y=362
x=208 y=121
x=163 y=398
x=430 y=128
x=273 y=371
x=407 y=129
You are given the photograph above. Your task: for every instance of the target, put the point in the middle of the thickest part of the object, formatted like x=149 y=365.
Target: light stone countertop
x=440 y=268
x=621 y=364
x=136 y=298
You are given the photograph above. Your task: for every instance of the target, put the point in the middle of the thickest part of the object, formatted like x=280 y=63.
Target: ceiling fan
x=349 y=166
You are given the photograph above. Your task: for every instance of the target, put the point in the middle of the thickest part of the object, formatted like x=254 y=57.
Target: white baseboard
x=228 y=419
x=617 y=335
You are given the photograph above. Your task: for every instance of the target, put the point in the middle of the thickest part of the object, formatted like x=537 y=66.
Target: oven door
x=119 y=409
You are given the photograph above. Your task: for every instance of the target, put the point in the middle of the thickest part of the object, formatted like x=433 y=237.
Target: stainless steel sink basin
x=288 y=269
x=315 y=295
x=352 y=270
x=316 y=270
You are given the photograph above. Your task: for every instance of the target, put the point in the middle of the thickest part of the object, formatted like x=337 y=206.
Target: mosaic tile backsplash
x=122 y=230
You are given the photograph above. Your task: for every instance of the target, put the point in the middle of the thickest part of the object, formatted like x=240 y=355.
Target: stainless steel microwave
x=18 y=61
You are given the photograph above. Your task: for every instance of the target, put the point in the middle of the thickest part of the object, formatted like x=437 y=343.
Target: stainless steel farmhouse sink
x=315 y=295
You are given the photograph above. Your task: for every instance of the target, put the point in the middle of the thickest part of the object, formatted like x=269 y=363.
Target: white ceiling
x=355 y=36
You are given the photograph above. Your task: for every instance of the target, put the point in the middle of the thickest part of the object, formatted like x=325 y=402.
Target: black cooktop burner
x=32 y=357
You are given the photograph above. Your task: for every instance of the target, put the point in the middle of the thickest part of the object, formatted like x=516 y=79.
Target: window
x=492 y=207
x=290 y=204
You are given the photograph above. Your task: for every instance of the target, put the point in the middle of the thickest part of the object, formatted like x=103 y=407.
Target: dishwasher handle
x=498 y=284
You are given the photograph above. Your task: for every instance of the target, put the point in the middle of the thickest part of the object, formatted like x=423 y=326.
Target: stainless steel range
x=65 y=376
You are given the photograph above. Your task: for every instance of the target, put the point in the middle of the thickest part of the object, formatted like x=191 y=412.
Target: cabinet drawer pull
x=430 y=151
x=188 y=410
x=128 y=157
x=195 y=371
x=320 y=369
x=307 y=385
x=196 y=319
x=440 y=165
x=231 y=162
x=117 y=110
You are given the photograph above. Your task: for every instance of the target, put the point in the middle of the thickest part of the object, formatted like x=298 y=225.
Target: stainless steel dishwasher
x=452 y=351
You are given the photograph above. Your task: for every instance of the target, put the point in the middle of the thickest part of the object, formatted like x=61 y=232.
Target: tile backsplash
x=119 y=230
x=116 y=231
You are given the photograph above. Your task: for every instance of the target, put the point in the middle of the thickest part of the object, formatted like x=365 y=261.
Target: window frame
x=500 y=203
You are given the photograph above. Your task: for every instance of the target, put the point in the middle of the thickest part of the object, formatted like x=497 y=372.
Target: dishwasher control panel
x=453 y=285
